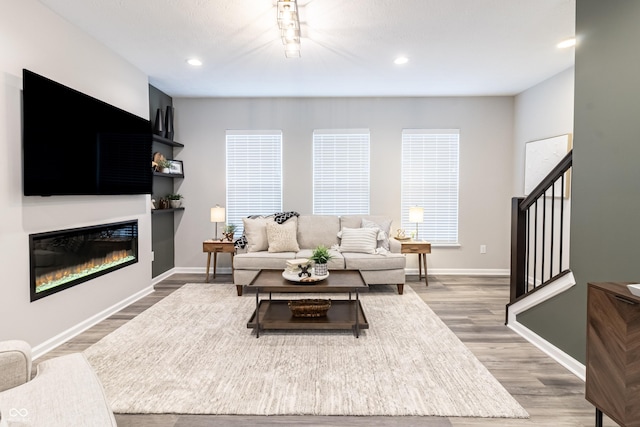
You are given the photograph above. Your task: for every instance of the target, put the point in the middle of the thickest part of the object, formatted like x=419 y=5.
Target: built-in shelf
x=168 y=175
x=166 y=141
x=172 y=144
x=161 y=211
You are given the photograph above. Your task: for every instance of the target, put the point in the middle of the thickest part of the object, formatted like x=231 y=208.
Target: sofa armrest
x=65 y=392
x=15 y=363
x=394 y=246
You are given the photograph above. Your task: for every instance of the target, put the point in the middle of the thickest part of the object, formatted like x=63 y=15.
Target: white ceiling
x=455 y=47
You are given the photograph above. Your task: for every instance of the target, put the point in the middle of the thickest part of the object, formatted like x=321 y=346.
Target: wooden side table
x=214 y=247
x=420 y=248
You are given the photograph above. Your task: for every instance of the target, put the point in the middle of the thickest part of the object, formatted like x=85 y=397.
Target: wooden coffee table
x=275 y=313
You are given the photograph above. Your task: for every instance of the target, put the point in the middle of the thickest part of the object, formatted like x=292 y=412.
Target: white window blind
x=430 y=179
x=254 y=174
x=341 y=172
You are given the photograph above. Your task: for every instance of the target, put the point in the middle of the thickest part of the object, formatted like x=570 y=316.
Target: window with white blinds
x=430 y=179
x=341 y=172
x=254 y=175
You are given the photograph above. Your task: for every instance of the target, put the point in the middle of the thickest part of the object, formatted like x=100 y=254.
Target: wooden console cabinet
x=613 y=353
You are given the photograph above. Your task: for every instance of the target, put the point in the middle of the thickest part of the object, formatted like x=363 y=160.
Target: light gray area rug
x=191 y=353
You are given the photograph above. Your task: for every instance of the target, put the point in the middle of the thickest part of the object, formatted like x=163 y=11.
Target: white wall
x=32 y=37
x=486 y=153
x=542 y=111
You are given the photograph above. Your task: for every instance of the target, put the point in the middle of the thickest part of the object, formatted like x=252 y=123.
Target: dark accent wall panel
x=162 y=237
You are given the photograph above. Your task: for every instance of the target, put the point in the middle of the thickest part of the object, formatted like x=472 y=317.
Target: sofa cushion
x=316 y=230
x=384 y=227
x=360 y=261
x=255 y=231
x=282 y=237
x=335 y=263
x=363 y=240
x=261 y=260
x=355 y=221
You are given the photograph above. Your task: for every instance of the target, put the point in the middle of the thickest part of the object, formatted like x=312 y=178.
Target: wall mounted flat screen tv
x=74 y=144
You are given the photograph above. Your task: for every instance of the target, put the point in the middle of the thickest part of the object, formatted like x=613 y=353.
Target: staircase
x=540 y=234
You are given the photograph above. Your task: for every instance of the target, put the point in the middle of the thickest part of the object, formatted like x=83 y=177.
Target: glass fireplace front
x=65 y=258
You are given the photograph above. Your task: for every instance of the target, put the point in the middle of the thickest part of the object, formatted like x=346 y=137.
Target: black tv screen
x=74 y=144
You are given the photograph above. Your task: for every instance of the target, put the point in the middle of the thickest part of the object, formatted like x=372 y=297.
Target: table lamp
x=217 y=215
x=416 y=214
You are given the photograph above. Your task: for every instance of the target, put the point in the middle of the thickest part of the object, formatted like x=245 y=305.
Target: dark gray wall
x=162 y=232
x=605 y=220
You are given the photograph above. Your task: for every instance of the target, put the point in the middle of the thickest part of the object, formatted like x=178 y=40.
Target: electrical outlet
x=483 y=249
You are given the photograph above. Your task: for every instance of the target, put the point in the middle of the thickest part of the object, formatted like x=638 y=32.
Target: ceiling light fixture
x=401 y=60
x=567 y=43
x=289 y=24
x=194 y=61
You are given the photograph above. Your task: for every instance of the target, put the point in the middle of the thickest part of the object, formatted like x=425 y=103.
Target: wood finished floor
x=472 y=307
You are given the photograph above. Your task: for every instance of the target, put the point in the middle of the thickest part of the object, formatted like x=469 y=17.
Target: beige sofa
x=65 y=392
x=382 y=265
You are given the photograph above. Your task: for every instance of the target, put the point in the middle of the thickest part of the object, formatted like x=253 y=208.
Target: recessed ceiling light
x=567 y=43
x=194 y=61
x=401 y=60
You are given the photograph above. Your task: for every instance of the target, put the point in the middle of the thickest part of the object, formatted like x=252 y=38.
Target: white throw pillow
x=255 y=231
x=383 y=236
x=363 y=240
x=282 y=237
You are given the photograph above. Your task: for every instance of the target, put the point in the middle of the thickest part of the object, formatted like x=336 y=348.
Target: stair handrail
x=540 y=189
x=519 y=237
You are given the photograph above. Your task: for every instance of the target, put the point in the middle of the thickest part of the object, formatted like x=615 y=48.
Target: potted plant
x=228 y=231
x=320 y=256
x=164 y=166
x=175 y=200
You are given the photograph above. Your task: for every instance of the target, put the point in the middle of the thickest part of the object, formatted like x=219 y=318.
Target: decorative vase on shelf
x=158 y=126
x=175 y=204
x=168 y=123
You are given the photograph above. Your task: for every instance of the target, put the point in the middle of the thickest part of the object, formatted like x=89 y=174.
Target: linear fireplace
x=65 y=258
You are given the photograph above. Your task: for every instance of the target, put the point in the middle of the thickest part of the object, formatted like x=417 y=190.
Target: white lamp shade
x=217 y=214
x=416 y=214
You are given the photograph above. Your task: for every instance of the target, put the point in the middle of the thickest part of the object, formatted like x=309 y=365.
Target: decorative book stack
x=293 y=264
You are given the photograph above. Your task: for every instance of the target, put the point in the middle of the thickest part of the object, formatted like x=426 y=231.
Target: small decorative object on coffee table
x=320 y=256
x=304 y=270
x=303 y=279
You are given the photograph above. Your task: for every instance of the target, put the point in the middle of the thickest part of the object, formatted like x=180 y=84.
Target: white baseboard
x=65 y=336
x=557 y=287
x=201 y=270
x=575 y=367
x=159 y=278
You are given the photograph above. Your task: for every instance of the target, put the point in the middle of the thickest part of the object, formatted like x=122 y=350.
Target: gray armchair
x=65 y=391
